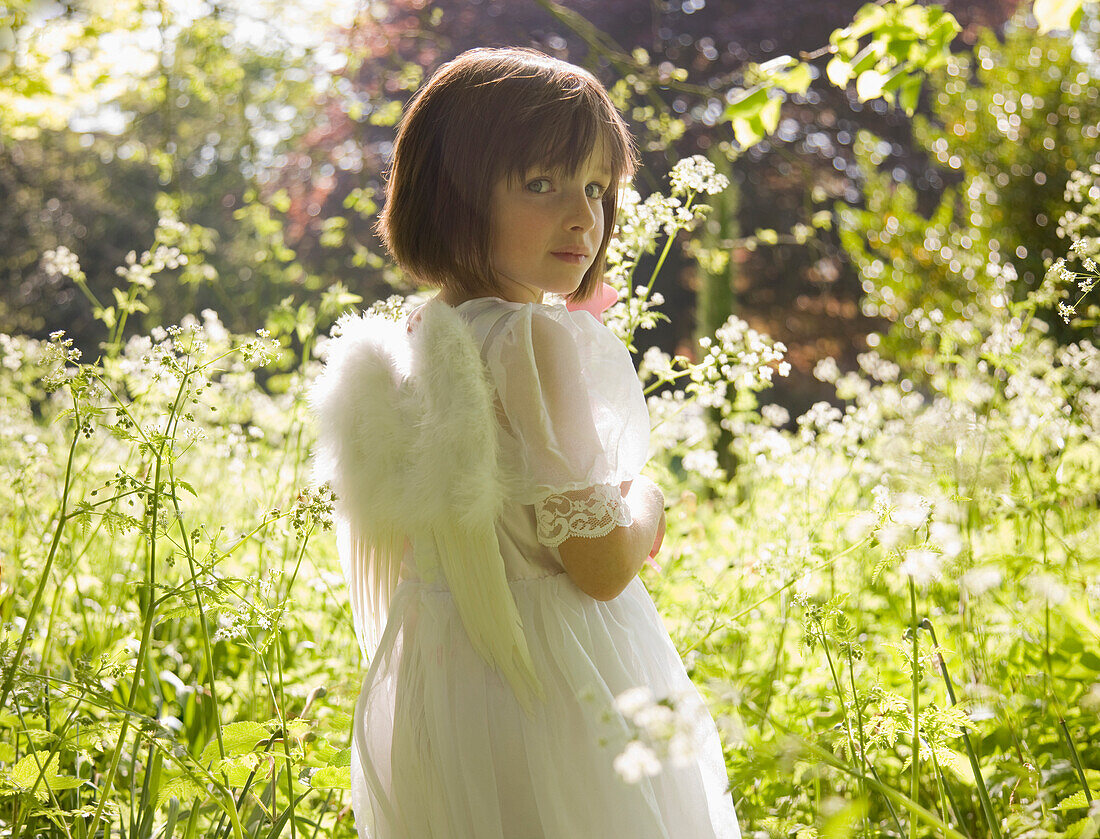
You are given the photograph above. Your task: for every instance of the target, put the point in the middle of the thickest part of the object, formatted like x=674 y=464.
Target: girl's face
x=546 y=227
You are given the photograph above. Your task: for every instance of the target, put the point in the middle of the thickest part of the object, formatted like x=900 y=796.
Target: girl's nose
x=581 y=214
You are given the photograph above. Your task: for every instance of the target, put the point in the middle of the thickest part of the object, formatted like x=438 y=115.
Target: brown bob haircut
x=487 y=115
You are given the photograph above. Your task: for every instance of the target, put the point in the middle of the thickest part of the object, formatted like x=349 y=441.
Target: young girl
x=486 y=457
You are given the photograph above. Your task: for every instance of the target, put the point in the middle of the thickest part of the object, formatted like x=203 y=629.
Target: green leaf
x=331 y=777
x=867 y=19
x=184 y=789
x=957 y=763
x=25 y=775
x=748 y=132
x=238 y=769
x=909 y=95
x=747 y=104
x=1073 y=802
x=1090 y=660
x=237 y=738
x=866 y=59
x=187 y=610
x=341 y=758
x=7 y=752
x=769 y=114
x=797 y=79
x=298 y=728
x=60 y=782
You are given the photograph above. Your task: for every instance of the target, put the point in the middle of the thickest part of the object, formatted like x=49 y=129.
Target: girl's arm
x=604 y=565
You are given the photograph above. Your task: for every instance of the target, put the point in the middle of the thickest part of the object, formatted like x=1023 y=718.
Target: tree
x=189 y=131
x=1007 y=127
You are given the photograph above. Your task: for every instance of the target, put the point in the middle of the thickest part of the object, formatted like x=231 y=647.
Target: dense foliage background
x=859 y=285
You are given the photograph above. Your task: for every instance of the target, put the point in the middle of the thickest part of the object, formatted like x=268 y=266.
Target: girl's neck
x=514 y=292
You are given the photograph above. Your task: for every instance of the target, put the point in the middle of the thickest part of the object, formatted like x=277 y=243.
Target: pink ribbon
x=598 y=303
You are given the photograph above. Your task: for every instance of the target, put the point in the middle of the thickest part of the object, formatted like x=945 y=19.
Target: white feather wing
x=407 y=440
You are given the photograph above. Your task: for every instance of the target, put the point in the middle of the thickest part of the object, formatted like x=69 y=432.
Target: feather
x=407 y=439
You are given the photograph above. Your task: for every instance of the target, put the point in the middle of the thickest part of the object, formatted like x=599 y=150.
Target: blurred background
x=266 y=127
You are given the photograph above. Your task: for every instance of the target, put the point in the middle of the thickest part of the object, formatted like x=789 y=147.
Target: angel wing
x=407 y=440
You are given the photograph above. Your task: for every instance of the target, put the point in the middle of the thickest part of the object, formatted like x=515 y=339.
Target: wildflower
x=877 y=367
x=980 y=579
x=1091 y=699
x=656 y=721
x=910 y=510
x=1066 y=311
x=881 y=495
x=631 y=701
x=775 y=415
x=703 y=462
x=821 y=418
x=1048 y=588
x=213 y=327
x=696 y=174
x=636 y=762
x=61 y=262
x=946 y=536
x=681 y=750
x=922 y=565
x=1058 y=273
x=860 y=525
x=1004 y=338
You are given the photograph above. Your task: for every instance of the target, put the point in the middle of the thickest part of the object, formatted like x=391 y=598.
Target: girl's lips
x=570 y=257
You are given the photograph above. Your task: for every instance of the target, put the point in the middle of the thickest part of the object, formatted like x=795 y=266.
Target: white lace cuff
x=591 y=512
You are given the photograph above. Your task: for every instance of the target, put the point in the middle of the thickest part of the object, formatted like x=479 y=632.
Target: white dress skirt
x=442 y=749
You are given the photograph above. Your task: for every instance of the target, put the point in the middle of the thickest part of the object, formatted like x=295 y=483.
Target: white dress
x=441 y=747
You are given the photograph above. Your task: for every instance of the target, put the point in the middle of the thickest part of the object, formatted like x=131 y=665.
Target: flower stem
x=983 y=791
x=914 y=786
x=62 y=520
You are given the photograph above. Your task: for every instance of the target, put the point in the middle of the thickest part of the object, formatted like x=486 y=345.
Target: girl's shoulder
x=498 y=317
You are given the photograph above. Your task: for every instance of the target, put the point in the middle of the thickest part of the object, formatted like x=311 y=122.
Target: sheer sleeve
x=572 y=404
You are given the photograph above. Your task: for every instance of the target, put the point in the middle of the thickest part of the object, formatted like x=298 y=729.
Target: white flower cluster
x=877 y=367
x=922 y=564
x=666 y=729
x=141 y=271
x=775 y=415
x=676 y=421
x=656 y=364
x=738 y=357
x=1004 y=339
x=821 y=418
x=61 y=262
x=696 y=174
x=261 y=350
x=1084 y=359
x=15 y=349
x=827 y=370
x=641 y=223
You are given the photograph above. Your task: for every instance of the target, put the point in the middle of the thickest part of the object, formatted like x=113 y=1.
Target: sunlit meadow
x=890 y=605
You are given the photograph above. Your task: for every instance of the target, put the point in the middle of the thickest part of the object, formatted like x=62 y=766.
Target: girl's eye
x=594 y=190
x=539 y=185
